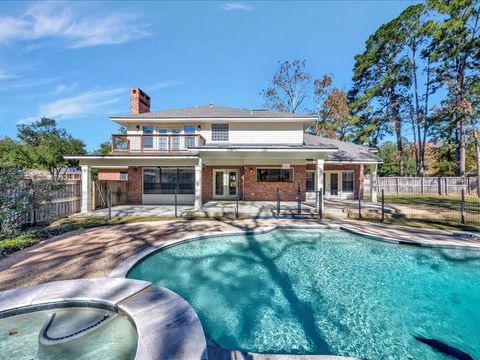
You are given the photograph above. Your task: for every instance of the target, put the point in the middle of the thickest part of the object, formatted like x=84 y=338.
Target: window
x=164 y=180
x=219 y=132
x=123 y=176
x=148 y=140
x=347 y=181
x=274 y=175
x=163 y=139
x=189 y=140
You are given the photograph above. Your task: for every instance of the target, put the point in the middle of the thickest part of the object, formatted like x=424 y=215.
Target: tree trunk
x=460 y=153
x=398 y=131
x=477 y=150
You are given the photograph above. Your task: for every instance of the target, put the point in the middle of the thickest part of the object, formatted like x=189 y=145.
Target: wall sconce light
x=199 y=127
x=138 y=127
x=251 y=170
x=135 y=169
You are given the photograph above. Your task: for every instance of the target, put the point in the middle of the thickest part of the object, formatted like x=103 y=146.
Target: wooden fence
x=426 y=185
x=100 y=193
x=66 y=201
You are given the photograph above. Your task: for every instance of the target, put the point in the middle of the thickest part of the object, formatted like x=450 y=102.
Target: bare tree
x=289 y=88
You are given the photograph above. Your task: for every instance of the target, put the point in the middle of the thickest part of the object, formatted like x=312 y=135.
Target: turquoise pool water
x=324 y=292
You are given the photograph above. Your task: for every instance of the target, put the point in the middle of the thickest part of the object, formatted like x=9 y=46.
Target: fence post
x=478 y=186
x=383 y=205
x=422 y=185
x=439 y=186
x=278 y=202
x=468 y=185
x=463 y=207
x=359 y=208
x=236 y=210
x=446 y=186
x=109 y=200
x=299 y=201
x=176 y=202
x=398 y=185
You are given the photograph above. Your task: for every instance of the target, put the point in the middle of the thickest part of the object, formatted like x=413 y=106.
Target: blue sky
x=75 y=62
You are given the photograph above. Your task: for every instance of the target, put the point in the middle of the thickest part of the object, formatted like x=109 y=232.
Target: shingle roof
x=346 y=151
x=214 y=111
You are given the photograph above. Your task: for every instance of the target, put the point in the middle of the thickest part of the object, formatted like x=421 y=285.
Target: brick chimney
x=139 y=101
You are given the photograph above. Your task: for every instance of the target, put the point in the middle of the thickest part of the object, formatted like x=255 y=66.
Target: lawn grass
x=443 y=202
x=432 y=211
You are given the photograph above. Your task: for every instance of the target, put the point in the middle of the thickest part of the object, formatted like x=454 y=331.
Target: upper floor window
x=219 y=132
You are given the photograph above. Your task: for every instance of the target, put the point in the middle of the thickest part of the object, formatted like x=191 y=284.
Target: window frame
x=176 y=183
x=291 y=169
x=353 y=181
x=227 y=132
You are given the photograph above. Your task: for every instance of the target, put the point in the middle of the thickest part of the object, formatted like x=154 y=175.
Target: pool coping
x=175 y=324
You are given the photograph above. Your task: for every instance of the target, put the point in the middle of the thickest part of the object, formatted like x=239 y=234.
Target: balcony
x=133 y=143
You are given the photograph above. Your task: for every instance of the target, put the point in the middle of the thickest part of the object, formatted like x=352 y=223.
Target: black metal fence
x=415 y=209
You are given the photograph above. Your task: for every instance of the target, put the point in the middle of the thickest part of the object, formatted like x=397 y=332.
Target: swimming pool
x=73 y=333
x=324 y=292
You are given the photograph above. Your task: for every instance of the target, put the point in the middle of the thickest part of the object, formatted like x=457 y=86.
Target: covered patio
x=224 y=208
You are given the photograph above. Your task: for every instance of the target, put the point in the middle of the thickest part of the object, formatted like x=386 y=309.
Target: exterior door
x=334 y=184
x=310 y=185
x=225 y=184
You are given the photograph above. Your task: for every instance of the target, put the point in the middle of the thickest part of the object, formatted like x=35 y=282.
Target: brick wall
x=109 y=174
x=257 y=191
x=134 y=185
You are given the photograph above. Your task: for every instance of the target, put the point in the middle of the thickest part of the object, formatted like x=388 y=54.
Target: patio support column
x=86 y=189
x=198 y=185
x=373 y=182
x=319 y=177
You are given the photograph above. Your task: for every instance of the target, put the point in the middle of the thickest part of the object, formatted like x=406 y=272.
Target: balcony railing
x=155 y=143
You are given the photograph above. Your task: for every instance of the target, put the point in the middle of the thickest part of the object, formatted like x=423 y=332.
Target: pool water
x=324 y=292
x=114 y=340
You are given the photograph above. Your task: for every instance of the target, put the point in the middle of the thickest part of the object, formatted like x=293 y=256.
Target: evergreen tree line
x=415 y=92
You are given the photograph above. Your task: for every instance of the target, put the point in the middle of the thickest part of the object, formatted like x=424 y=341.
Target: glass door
x=310 y=185
x=334 y=184
x=225 y=185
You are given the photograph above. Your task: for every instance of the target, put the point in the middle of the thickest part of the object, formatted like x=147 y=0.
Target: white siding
x=242 y=132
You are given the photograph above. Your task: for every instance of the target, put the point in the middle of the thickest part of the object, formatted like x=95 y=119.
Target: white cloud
x=163 y=85
x=70 y=22
x=233 y=6
x=5 y=75
x=86 y=103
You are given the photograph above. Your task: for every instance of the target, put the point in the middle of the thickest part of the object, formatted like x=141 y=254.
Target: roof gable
x=347 y=152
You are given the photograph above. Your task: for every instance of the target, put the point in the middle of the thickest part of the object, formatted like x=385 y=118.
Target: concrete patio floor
x=96 y=252
x=220 y=208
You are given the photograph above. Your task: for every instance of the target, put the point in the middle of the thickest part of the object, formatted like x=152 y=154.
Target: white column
x=86 y=189
x=373 y=182
x=198 y=185
x=319 y=177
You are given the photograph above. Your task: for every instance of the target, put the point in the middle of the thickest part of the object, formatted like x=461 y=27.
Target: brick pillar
x=134 y=185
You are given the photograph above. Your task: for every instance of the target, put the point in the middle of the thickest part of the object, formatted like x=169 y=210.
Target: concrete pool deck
x=96 y=252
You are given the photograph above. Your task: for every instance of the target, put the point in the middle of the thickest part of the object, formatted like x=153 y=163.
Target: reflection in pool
x=324 y=292
x=78 y=333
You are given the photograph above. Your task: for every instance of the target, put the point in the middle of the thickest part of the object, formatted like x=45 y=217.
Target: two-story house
x=212 y=152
